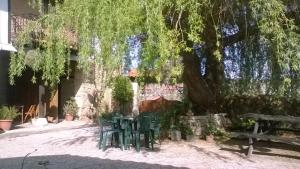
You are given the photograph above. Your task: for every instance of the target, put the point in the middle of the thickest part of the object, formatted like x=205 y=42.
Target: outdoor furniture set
x=125 y=131
x=267 y=127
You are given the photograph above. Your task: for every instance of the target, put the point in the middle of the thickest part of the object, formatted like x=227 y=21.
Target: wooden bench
x=260 y=119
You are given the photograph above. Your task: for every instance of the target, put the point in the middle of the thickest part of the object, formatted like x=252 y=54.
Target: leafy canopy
x=99 y=29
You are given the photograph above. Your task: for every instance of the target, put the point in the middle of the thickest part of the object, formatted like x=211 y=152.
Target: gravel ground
x=74 y=145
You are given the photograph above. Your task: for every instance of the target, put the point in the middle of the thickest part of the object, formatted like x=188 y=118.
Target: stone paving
x=74 y=145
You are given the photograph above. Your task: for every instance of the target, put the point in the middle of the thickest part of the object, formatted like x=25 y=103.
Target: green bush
x=122 y=90
x=242 y=124
x=170 y=119
x=212 y=128
x=185 y=129
x=8 y=113
x=70 y=107
x=262 y=104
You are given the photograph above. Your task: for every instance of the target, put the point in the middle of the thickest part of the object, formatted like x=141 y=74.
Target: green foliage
x=270 y=56
x=212 y=128
x=70 y=107
x=8 y=113
x=272 y=105
x=122 y=90
x=242 y=124
x=269 y=39
x=111 y=23
x=247 y=123
x=170 y=119
x=106 y=115
x=185 y=129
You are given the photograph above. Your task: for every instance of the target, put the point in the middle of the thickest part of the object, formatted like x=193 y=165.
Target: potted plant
x=70 y=109
x=175 y=133
x=189 y=134
x=186 y=132
x=7 y=114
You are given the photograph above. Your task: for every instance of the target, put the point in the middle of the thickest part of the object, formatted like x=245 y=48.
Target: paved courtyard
x=73 y=145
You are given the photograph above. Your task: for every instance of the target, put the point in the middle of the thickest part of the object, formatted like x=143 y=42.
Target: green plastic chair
x=149 y=125
x=110 y=129
x=127 y=128
x=155 y=129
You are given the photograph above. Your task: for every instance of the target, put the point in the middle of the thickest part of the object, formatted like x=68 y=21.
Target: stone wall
x=199 y=123
x=85 y=93
x=196 y=123
x=154 y=91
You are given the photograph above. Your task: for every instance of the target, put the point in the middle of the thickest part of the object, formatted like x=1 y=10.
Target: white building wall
x=4 y=21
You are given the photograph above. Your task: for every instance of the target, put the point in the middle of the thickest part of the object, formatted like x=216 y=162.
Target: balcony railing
x=18 y=22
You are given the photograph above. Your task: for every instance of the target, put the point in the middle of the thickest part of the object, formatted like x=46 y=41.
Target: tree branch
x=239 y=36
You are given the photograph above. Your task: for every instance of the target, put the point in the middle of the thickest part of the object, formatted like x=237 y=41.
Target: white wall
x=3 y=21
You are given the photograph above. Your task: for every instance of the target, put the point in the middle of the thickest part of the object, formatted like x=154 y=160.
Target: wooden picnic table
x=260 y=119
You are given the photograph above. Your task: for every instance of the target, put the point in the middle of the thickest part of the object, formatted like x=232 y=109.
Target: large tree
x=190 y=38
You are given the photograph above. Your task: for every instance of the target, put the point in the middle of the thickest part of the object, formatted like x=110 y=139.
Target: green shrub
x=242 y=124
x=122 y=91
x=212 y=128
x=263 y=104
x=70 y=107
x=8 y=113
x=170 y=119
x=185 y=129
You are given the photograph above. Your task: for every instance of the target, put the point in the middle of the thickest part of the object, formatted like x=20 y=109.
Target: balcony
x=18 y=23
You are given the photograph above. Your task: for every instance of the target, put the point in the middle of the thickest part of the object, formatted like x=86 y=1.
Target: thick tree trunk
x=214 y=74
x=199 y=91
x=204 y=91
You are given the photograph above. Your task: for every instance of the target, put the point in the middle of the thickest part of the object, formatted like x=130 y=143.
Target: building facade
x=14 y=16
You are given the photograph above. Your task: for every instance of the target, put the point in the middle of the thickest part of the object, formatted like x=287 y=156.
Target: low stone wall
x=198 y=124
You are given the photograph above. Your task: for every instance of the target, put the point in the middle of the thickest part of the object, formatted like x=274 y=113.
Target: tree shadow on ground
x=79 y=139
x=75 y=162
x=71 y=141
x=26 y=133
x=261 y=148
x=210 y=153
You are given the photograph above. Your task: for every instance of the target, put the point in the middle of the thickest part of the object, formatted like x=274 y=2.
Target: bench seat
x=287 y=140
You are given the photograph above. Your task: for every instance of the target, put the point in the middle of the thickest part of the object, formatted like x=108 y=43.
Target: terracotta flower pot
x=5 y=124
x=175 y=135
x=190 y=138
x=69 y=117
x=50 y=119
x=210 y=138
